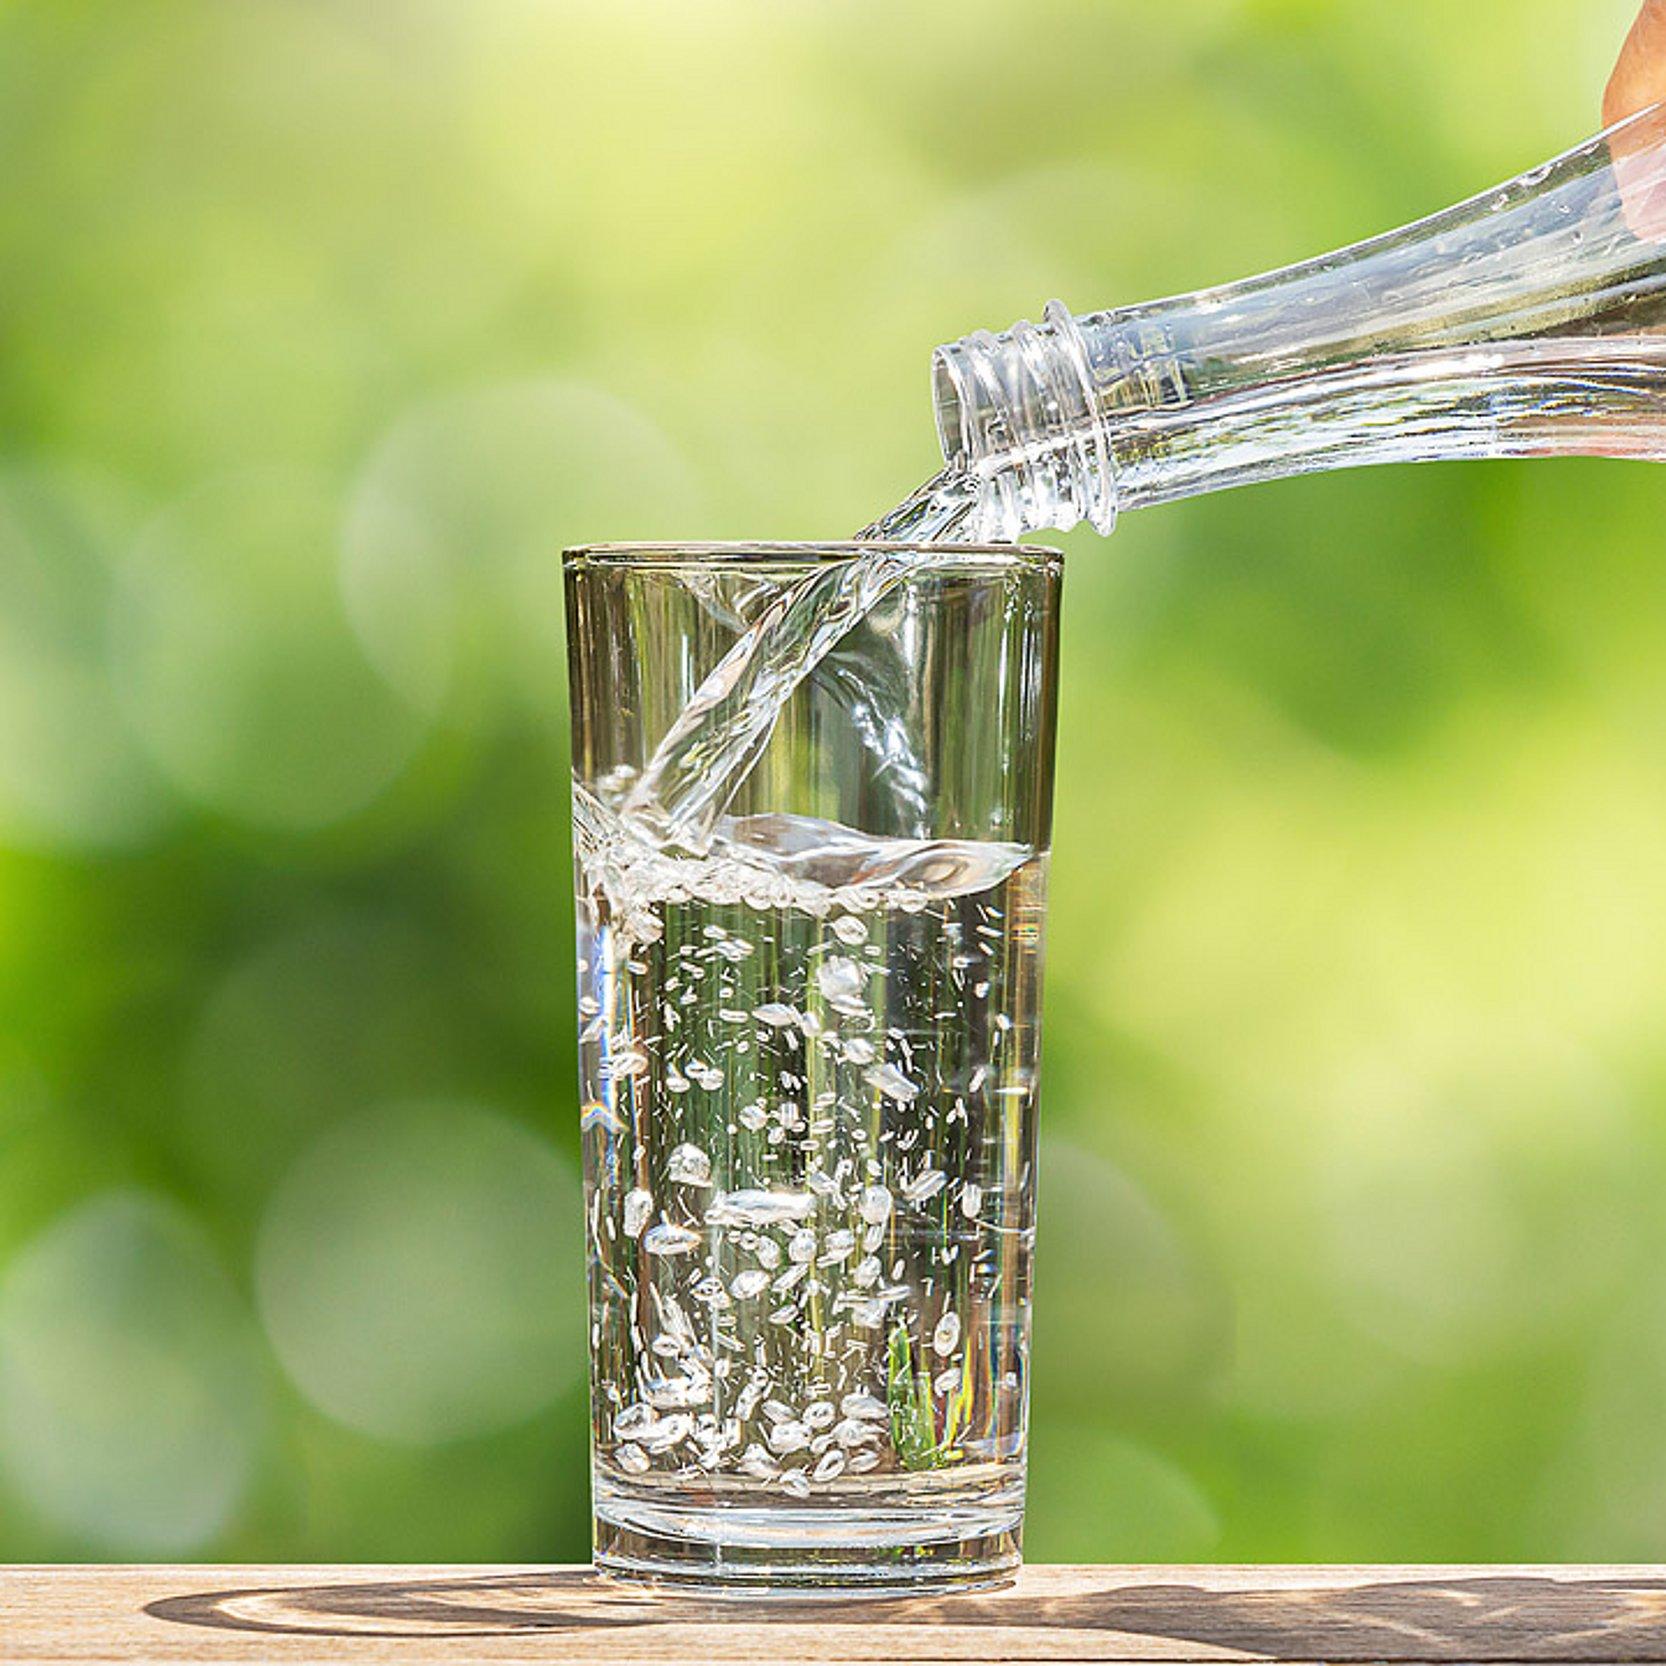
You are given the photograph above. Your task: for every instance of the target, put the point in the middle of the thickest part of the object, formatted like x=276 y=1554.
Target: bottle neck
x=1019 y=412
x=1528 y=321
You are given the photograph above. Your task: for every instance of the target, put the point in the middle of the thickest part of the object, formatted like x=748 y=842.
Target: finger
x=1639 y=150
x=1639 y=78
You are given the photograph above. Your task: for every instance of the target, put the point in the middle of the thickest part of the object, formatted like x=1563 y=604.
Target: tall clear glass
x=808 y=1064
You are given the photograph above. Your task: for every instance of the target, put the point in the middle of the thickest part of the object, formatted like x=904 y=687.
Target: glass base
x=769 y=1550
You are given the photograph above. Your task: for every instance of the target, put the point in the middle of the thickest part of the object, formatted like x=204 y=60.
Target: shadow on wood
x=1478 y=1616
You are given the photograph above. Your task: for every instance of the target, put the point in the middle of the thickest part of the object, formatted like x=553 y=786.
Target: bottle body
x=1528 y=321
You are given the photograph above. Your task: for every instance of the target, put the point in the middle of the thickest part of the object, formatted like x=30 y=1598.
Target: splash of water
x=945 y=510
x=721 y=733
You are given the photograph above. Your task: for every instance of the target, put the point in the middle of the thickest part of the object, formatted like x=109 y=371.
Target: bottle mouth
x=1018 y=410
x=948 y=408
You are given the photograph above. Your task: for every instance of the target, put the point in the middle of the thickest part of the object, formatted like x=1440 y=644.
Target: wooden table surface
x=325 y=1615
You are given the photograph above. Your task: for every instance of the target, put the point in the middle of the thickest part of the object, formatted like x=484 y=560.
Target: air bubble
x=639 y=1205
x=667 y=1239
x=892 y=1083
x=690 y=1166
x=946 y=1337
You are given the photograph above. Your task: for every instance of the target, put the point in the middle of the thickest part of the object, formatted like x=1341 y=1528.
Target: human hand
x=1639 y=80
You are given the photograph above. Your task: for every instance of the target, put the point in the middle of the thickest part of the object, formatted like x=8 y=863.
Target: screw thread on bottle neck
x=1017 y=410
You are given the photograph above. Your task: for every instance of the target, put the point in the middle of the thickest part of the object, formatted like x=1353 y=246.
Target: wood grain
x=320 y=1616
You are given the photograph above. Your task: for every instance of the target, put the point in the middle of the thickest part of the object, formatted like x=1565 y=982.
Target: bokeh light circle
x=1130 y=1314
x=71 y=773
x=451 y=548
x=1095 y=1496
x=1468 y=1201
x=339 y=1010
x=130 y=1404
x=420 y=1275
x=236 y=664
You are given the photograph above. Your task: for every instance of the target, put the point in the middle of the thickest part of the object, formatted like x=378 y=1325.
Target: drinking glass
x=808 y=1057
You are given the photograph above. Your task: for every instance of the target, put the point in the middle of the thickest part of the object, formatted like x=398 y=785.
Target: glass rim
x=664 y=552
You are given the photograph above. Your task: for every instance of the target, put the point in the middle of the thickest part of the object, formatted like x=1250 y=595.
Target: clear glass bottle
x=1528 y=321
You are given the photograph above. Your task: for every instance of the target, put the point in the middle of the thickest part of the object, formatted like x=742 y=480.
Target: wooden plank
x=336 y=1616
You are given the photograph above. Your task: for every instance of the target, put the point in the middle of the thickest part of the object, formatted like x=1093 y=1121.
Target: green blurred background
x=324 y=323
